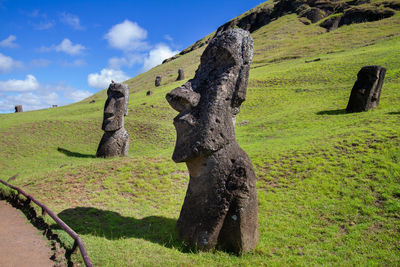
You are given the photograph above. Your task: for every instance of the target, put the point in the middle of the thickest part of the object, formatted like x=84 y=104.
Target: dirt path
x=20 y=243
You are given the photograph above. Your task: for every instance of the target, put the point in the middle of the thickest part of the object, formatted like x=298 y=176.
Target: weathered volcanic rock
x=18 y=108
x=157 y=81
x=149 y=92
x=181 y=75
x=115 y=141
x=367 y=89
x=220 y=208
x=114 y=144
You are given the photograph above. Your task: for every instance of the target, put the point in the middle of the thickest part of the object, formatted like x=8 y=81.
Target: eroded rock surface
x=115 y=141
x=220 y=208
x=366 y=91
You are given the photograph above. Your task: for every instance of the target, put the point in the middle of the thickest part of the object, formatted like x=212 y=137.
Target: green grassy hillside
x=328 y=182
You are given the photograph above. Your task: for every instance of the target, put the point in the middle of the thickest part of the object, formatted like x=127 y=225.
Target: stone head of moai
x=366 y=91
x=116 y=107
x=220 y=208
x=115 y=140
x=209 y=102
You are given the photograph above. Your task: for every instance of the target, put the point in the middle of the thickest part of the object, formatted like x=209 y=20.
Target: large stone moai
x=181 y=75
x=115 y=141
x=367 y=89
x=157 y=81
x=18 y=108
x=220 y=208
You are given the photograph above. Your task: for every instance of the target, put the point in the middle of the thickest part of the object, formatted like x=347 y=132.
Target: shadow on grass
x=112 y=225
x=74 y=154
x=332 y=112
x=394 y=113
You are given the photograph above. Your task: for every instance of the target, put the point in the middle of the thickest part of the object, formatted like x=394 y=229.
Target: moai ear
x=239 y=95
x=126 y=88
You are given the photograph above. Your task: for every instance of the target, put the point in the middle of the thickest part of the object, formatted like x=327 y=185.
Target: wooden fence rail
x=78 y=241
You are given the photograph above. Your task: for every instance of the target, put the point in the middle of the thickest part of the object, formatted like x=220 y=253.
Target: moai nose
x=183 y=98
x=110 y=106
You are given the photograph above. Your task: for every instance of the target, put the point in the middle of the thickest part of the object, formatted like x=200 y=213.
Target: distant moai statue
x=366 y=91
x=220 y=208
x=115 y=140
x=54 y=106
x=181 y=75
x=157 y=82
x=18 y=108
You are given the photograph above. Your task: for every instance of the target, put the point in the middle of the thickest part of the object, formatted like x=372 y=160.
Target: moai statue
x=18 y=108
x=115 y=141
x=220 y=208
x=367 y=89
x=157 y=82
x=181 y=75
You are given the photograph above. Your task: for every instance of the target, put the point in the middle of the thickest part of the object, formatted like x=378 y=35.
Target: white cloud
x=75 y=63
x=42 y=96
x=65 y=46
x=44 y=25
x=29 y=101
x=29 y=84
x=103 y=79
x=168 y=37
x=127 y=36
x=69 y=48
x=50 y=99
x=41 y=62
x=157 y=55
x=7 y=63
x=78 y=95
x=35 y=14
x=71 y=20
x=128 y=60
x=9 y=42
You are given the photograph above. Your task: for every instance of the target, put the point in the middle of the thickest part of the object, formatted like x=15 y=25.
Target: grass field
x=328 y=182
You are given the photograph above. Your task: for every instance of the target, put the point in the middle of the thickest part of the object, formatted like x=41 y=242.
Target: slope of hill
x=328 y=182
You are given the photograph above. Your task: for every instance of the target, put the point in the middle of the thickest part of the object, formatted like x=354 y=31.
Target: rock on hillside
x=329 y=14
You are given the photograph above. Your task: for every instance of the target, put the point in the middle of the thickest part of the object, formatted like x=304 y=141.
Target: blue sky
x=59 y=52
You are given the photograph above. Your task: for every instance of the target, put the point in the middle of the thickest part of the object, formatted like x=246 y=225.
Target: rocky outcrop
x=337 y=13
x=220 y=208
x=115 y=140
x=356 y=15
x=366 y=91
x=330 y=14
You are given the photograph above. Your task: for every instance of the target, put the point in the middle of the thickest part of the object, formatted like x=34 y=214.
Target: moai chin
x=115 y=141
x=366 y=91
x=220 y=208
